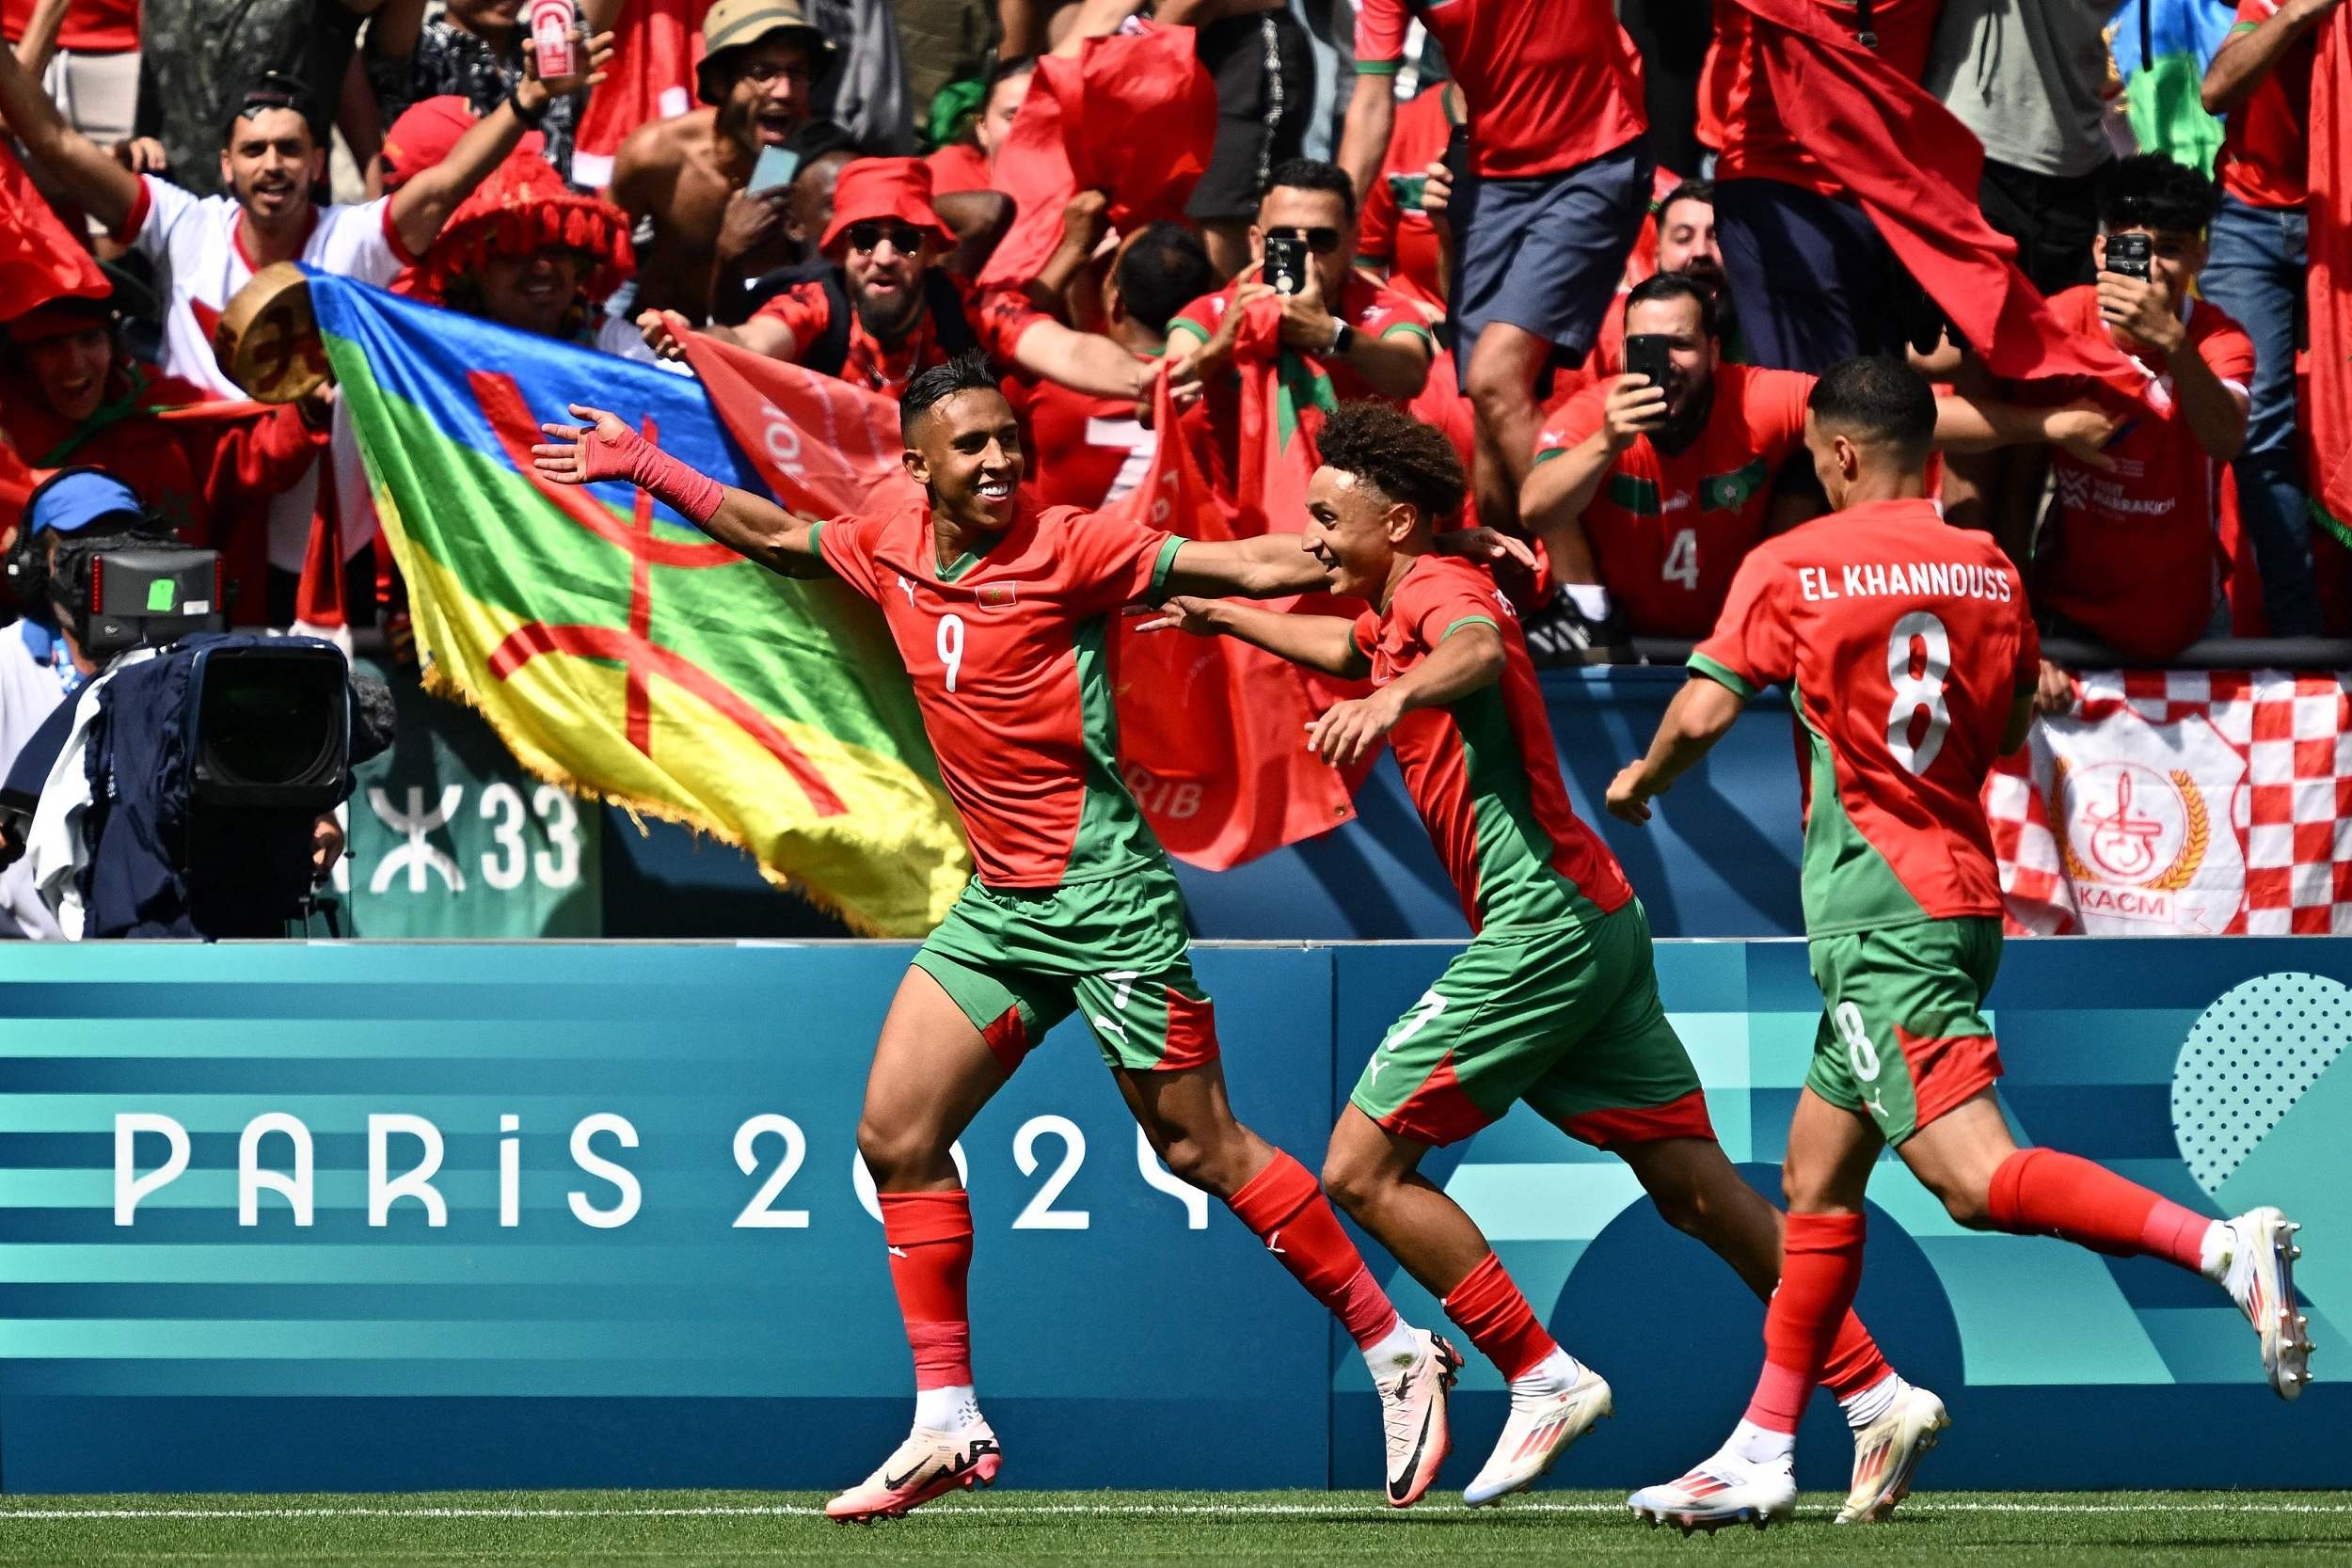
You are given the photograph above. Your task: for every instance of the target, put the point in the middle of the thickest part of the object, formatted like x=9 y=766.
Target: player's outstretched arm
x=752 y=526
x=1467 y=658
x=1275 y=564
x=1325 y=642
x=1980 y=424
x=1695 y=720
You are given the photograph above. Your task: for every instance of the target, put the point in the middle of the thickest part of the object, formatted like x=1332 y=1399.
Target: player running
x=1555 y=1002
x=1910 y=659
x=1001 y=612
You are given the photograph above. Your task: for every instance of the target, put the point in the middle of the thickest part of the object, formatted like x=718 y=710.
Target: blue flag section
x=281 y=1218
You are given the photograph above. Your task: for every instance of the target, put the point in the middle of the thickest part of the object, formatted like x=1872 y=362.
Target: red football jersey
x=2266 y=140
x=1084 y=450
x=2134 y=559
x=807 y=310
x=1904 y=643
x=1483 y=770
x=1738 y=120
x=1007 y=652
x=1396 y=231
x=1669 y=529
x=1550 y=83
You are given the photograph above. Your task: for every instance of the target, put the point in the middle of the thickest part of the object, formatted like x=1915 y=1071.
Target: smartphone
x=777 y=167
x=2128 y=255
x=1285 y=269
x=1647 y=354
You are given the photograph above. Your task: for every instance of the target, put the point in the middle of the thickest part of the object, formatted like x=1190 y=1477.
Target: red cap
x=40 y=262
x=877 y=188
x=522 y=206
x=425 y=132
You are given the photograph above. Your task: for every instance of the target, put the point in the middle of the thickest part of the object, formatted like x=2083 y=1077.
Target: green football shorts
x=1019 y=961
x=1566 y=1017
x=1903 y=1036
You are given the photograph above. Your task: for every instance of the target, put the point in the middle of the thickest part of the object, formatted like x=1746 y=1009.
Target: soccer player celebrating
x=1911 y=662
x=1001 y=610
x=1555 y=1002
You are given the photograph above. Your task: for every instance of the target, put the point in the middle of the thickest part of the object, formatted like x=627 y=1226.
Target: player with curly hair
x=1555 y=1000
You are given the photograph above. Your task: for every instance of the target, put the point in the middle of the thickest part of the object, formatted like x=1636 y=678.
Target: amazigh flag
x=615 y=649
x=1915 y=169
x=2330 y=279
x=2161 y=49
x=1133 y=117
x=654 y=45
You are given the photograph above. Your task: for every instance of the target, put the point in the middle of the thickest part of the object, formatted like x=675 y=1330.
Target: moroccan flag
x=654 y=45
x=1132 y=117
x=615 y=649
x=1915 y=169
x=1212 y=733
x=2161 y=49
x=2329 y=281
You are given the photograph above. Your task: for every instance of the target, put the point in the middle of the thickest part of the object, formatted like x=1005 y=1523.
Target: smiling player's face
x=1351 y=528
x=966 y=453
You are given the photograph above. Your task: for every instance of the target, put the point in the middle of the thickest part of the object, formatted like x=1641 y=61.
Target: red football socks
x=1820 y=1267
x=2042 y=1192
x=930 y=1258
x=1854 y=1362
x=1497 y=1320
x=1287 y=1210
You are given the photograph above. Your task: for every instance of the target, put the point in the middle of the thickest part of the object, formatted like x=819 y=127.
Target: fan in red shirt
x=1088 y=451
x=1811 y=279
x=968 y=165
x=1559 y=183
x=1686 y=244
x=2261 y=78
x=2129 y=555
x=1397 y=235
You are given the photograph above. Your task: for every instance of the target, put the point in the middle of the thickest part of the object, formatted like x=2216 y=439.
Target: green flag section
x=617 y=651
x=2161 y=49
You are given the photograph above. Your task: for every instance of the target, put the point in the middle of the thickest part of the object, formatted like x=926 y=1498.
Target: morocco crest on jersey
x=2182 y=802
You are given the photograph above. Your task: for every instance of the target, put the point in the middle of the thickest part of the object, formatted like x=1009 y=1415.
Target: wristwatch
x=1342 y=339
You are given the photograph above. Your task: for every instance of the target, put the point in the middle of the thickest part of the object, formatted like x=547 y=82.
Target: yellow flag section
x=616 y=650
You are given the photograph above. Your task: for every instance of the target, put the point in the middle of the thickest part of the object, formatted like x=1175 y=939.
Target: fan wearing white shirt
x=206 y=248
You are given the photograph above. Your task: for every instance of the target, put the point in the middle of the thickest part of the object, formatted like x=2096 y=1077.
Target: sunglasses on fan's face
x=904 y=237
x=1321 y=240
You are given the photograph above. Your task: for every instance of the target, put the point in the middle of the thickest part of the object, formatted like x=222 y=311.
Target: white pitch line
x=1204 y=1511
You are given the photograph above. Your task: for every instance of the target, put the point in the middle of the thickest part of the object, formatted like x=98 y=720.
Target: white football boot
x=2262 y=1281
x=1538 y=1432
x=928 y=1463
x=1887 y=1451
x=1720 y=1492
x=1412 y=1412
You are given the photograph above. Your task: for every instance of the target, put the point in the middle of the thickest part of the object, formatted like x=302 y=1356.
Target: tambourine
x=267 y=341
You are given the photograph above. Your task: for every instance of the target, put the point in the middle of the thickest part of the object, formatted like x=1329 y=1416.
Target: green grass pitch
x=675 y=1529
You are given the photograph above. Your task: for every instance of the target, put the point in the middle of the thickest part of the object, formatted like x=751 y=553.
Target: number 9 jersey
x=1904 y=644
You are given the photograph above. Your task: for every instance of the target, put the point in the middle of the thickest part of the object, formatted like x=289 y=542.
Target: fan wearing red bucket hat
x=526 y=251
x=885 y=309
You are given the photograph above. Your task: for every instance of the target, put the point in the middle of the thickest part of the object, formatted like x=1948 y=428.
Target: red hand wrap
x=628 y=455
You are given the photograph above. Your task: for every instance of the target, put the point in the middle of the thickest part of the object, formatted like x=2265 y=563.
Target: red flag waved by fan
x=656 y=45
x=1132 y=117
x=39 y=262
x=1915 y=169
x=823 y=445
x=2330 y=422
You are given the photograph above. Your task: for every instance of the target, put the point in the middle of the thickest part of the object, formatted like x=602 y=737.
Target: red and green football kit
x=1668 y=528
x=2266 y=140
x=1556 y=1000
x=1074 y=905
x=1903 y=642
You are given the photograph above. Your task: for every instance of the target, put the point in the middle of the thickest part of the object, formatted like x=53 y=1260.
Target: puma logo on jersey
x=907 y=587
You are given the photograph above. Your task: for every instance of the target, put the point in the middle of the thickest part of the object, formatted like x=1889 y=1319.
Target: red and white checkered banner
x=2182 y=803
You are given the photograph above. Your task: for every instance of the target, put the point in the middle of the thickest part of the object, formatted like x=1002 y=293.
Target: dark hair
x=1403 y=458
x=2151 y=191
x=1674 y=285
x=1877 y=398
x=1005 y=71
x=1313 y=174
x=966 y=372
x=271 y=89
x=1689 y=190
x=1166 y=269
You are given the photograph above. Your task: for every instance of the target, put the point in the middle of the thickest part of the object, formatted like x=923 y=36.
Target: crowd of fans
x=1492 y=238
